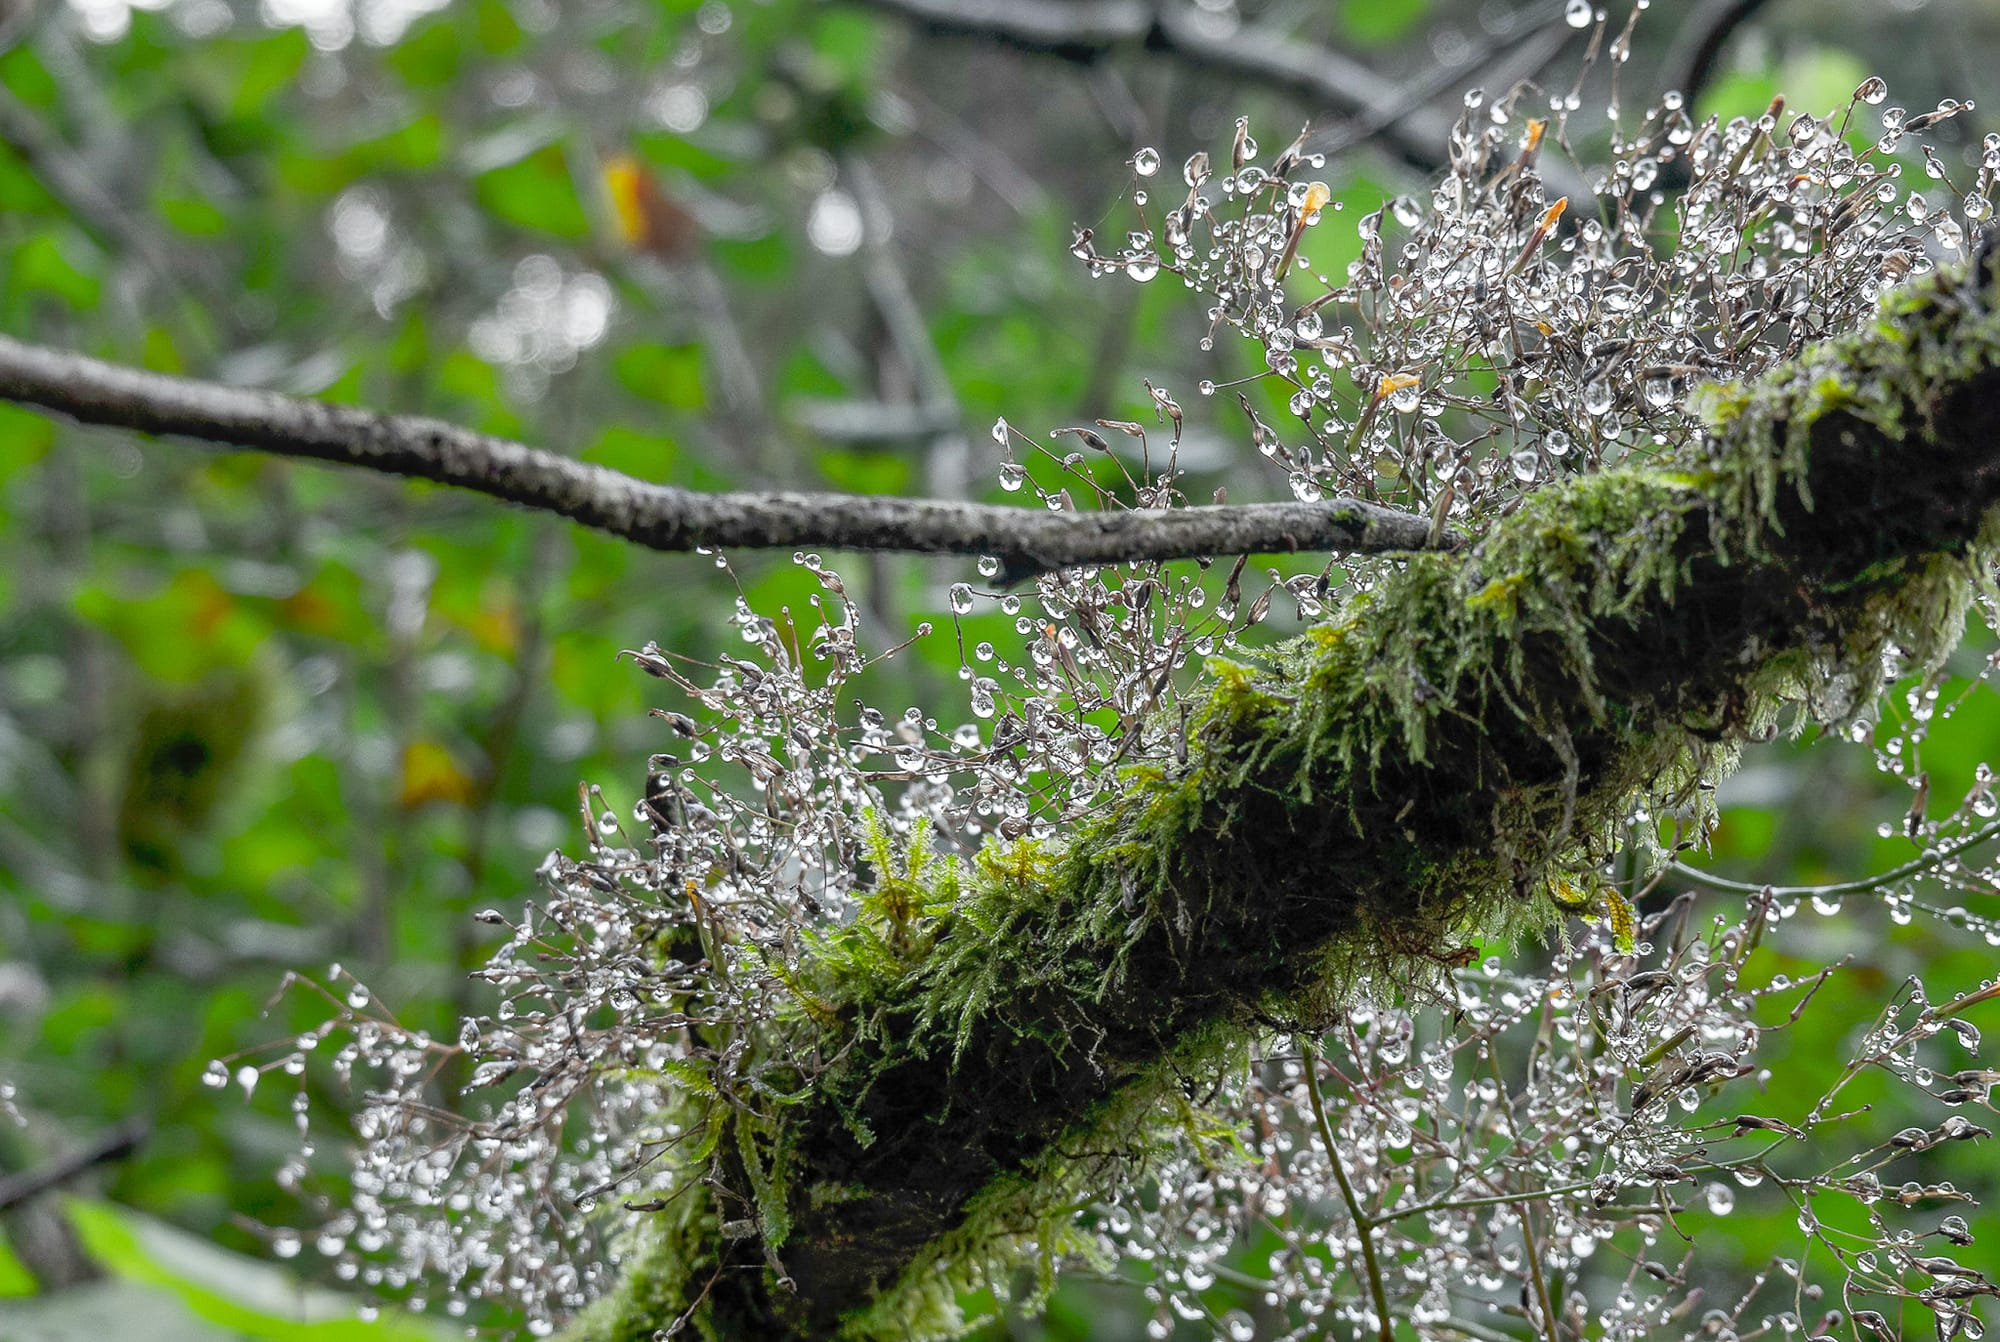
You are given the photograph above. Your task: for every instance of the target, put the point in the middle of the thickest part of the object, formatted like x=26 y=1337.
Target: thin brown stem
x=1363 y=1222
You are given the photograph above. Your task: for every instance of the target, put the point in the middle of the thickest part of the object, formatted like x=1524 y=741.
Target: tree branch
x=116 y=1144
x=1697 y=48
x=1027 y=541
x=1319 y=76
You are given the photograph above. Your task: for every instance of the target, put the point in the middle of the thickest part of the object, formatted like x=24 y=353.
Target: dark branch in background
x=1322 y=78
x=661 y=517
x=1698 y=47
x=1692 y=61
x=1522 y=54
x=116 y=1144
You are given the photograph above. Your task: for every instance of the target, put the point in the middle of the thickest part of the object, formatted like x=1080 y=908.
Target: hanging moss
x=1356 y=807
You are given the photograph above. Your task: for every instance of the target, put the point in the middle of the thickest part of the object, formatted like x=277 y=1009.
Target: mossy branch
x=1355 y=806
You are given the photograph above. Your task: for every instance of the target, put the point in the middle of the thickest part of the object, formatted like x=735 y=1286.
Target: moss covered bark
x=1356 y=803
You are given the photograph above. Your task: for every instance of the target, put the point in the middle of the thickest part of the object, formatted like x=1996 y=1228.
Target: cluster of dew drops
x=1546 y=1154
x=1492 y=338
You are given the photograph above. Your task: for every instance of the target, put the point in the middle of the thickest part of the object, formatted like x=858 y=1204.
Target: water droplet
x=1873 y=90
x=961 y=598
x=1721 y=1198
x=1578 y=13
x=1146 y=162
x=1012 y=476
x=1526 y=463
x=215 y=1076
x=1596 y=396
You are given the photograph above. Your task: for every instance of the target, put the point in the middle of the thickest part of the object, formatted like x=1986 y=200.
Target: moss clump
x=1355 y=804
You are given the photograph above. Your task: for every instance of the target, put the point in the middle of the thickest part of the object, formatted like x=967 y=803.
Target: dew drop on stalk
x=961 y=598
x=1012 y=476
x=1873 y=90
x=1578 y=13
x=1146 y=162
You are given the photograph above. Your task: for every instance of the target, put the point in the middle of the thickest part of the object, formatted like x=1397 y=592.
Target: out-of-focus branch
x=1698 y=47
x=116 y=1144
x=1026 y=540
x=1319 y=76
x=1088 y=31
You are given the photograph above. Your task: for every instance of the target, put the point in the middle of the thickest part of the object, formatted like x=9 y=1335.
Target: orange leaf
x=431 y=774
x=1317 y=195
x=647 y=219
x=1392 y=383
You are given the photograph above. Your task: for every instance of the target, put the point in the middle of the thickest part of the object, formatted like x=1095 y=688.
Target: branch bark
x=1027 y=541
x=1352 y=805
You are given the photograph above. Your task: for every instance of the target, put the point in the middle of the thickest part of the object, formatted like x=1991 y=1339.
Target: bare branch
x=661 y=517
x=116 y=1144
x=1698 y=47
x=1321 y=77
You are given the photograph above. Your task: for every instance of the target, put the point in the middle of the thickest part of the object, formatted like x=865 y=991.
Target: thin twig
x=1026 y=541
x=1363 y=1222
x=1916 y=866
x=1325 y=79
x=116 y=1144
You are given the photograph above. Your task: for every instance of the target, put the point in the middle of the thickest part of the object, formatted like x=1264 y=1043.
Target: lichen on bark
x=1357 y=805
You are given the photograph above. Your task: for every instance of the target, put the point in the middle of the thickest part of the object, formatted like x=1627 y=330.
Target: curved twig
x=1026 y=541
x=1865 y=885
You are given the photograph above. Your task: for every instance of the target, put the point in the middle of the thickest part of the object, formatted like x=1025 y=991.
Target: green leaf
x=23 y=75
x=429 y=55
x=867 y=472
x=25 y=438
x=636 y=453
x=268 y=64
x=1371 y=23
x=499 y=31
x=669 y=374
x=15 y=1279
x=43 y=264
x=414 y=146
x=251 y=1299
x=536 y=192
x=102 y=1309
x=193 y=216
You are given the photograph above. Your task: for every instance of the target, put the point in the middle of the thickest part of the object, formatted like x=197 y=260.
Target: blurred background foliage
x=258 y=716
